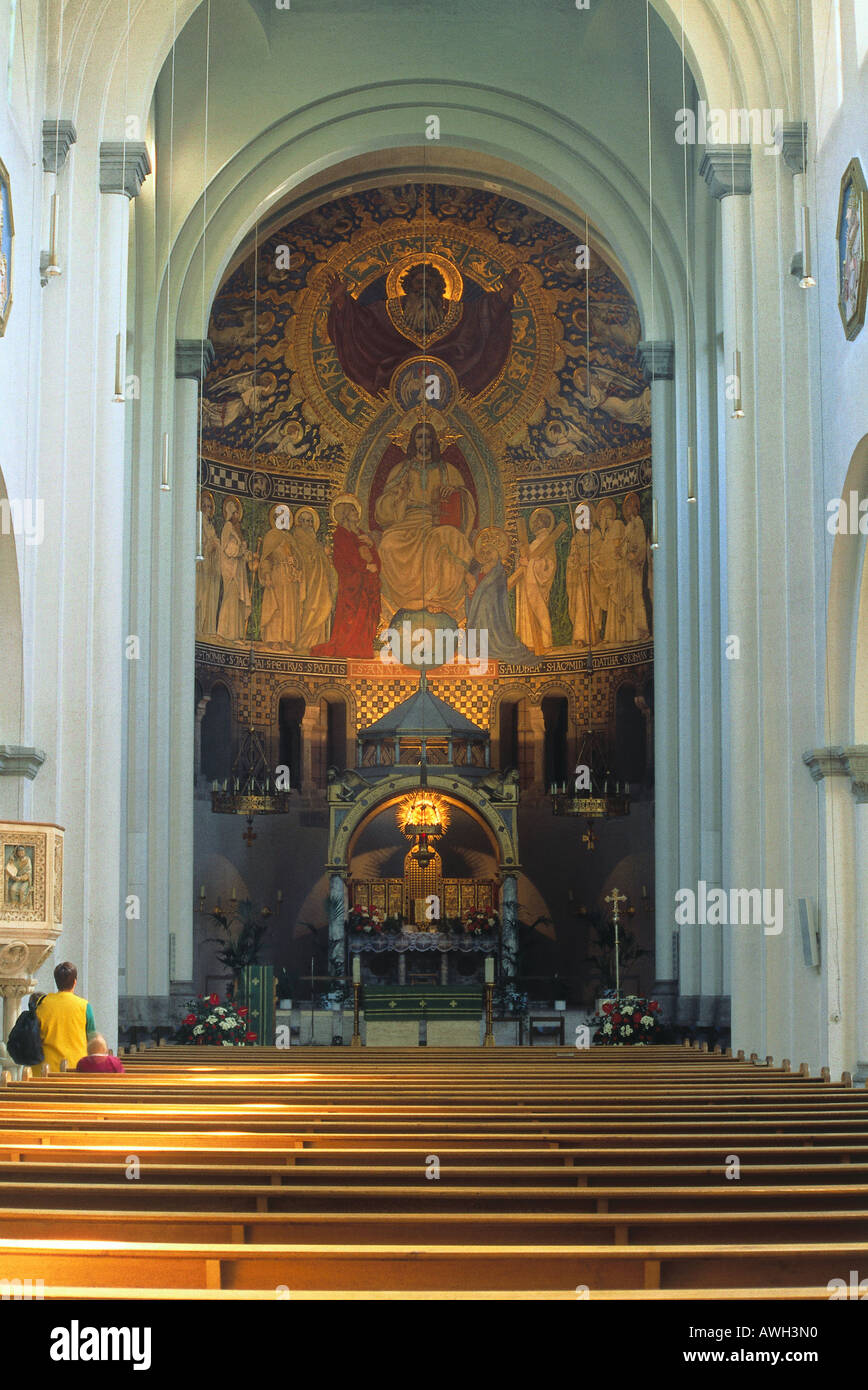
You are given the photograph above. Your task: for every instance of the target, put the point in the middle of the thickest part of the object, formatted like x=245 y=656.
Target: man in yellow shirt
x=65 y=1020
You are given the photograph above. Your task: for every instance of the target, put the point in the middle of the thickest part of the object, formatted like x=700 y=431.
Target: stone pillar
x=531 y=748
x=197 y=750
x=312 y=750
x=444 y=967
x=337 y=917
x=856 y=760
x=727 y=171
x=657 y=360
x=509 y=923
x=177 y=635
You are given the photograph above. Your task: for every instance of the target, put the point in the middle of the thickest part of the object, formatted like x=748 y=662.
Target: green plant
x=240 y=947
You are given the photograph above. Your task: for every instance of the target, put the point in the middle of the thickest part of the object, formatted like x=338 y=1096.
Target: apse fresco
x=423 y=406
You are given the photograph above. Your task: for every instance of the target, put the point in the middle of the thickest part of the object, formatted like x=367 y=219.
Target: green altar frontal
x=409 y=1004
x=256 y=990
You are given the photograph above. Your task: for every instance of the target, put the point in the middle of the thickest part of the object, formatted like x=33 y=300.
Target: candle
x=280 y=895
x=233 y=895
x=214 y=787
x=357 y=970
x=202 y=891
x=489 y=970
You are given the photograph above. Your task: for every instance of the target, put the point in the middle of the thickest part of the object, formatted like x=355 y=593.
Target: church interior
x=433 y=516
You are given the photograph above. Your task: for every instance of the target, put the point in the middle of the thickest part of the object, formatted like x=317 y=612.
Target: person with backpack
x=24 y=1045
x=65 y=1019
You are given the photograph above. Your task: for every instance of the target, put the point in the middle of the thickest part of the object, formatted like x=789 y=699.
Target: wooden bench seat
x=149 y=1265
x=86 y=1294
x=374 y=1227
x=633 y=1203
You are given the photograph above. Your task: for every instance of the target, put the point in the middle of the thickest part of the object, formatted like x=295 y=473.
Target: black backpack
x=24 y=1044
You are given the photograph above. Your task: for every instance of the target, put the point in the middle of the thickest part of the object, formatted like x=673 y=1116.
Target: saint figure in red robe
x=357 y=609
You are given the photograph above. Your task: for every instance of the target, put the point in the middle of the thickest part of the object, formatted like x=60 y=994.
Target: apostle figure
x=318 y=581
x=533 y=581
x=426 y=514
x=488 y=606
x=19 y=876
x=357 y=610
x=606 y=589
x=207 y=571
x=635 y=554
x=370 y=344
x=580 y=568
x=236 y=559
x=280 y=577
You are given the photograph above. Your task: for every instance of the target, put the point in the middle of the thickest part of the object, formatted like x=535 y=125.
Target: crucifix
x=249 y=834
x=616 y=898
x=588 y=837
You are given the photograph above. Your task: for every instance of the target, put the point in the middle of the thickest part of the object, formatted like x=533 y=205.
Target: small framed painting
x=7 y=235
x=852 y=249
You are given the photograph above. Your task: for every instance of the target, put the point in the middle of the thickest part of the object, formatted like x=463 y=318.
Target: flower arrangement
x=627 y=1021
x=475 y=923
x=365 y=919
x=215 y=1024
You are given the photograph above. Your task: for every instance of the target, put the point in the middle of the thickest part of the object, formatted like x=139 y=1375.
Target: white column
x=657 y=359
x=857 y=764
x=80 y=577
x=727 y=170
x=192 y=358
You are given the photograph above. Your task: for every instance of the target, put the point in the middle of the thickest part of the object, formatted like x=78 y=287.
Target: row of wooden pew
x=434 y=1173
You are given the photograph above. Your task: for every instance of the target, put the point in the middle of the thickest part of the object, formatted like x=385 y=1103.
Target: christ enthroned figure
x=426 y=514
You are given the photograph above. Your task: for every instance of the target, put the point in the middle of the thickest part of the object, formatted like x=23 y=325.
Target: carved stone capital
x=726 y=170
x=825 y=762
x=656 y=359
x=193 y=358
x=793 y=138
x=856 y=761
x=18 y=760
x=58 y=137
x=123 y=166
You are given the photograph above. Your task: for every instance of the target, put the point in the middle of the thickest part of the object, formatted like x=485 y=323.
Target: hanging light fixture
x=53 y=267
x=164 y=463
x=603 y=798
x=737 y=407
x=423 y=816
x=807 y=281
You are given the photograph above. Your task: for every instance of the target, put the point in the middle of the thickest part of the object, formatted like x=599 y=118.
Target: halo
x=232 y=501
x=344 y=499
x=419 y=415
x=310 y=512
x=634 y=495
x=543 y=511
x=448 y=269
x=207 y=493
x=273 y=509
x=496 y=537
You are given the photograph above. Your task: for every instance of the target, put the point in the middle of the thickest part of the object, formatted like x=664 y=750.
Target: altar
x=429 y=951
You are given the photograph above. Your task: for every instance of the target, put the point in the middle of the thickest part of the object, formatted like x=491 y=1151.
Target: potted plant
x=211 y=1023
x=240 y=948
x=627 y=1020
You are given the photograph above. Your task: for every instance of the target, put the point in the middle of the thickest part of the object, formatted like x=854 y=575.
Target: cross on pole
x=589 y=838
x=249 y=834
x=616 y=898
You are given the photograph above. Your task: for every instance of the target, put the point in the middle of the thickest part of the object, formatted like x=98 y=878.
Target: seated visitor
x=99 y=1058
